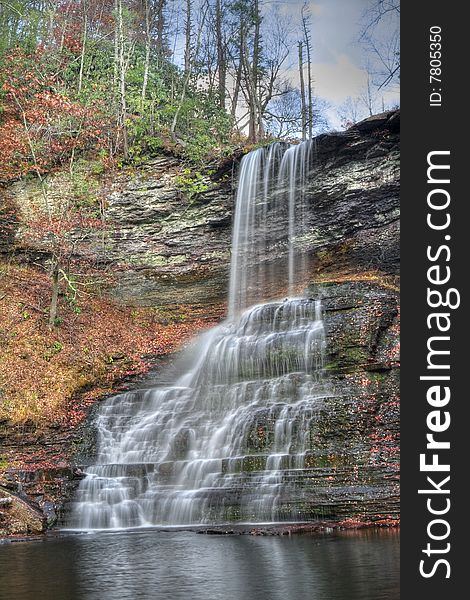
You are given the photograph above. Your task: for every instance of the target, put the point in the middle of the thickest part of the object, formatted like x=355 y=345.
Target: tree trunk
x=187 y=35
x=160 y=42
x=255 y=117
x=82 y=57
x=221 y=58
x=309 y=75
x=252 y=129
x=369 y=96
x=238 y=79
x=250 y=97
x=260 y=115
x=54 y=293
x=116 y=49
x=33 y=156
x=188 y=73
x=310 y=95
x=122 y=80
x=147 y=50
x=303 y=110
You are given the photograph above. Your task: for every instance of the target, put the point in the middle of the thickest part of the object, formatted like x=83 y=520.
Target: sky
x=338 y=60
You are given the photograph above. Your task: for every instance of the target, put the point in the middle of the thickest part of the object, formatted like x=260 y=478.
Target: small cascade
x=269 y=224
x=226 y=437
x=230 y=438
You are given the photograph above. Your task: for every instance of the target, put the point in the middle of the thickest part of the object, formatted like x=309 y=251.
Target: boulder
x=19 y=517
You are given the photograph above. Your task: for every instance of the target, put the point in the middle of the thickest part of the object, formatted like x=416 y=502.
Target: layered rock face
x=355 y=464
x=173 y=249
x=172 y=239
x=288 y=414
x=176 y=250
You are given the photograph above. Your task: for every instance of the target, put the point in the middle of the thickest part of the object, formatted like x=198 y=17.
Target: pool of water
x=175 y=565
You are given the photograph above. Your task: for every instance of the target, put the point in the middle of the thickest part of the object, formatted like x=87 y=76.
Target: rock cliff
x=177 y=251
x=172 y=244
x=173 y=249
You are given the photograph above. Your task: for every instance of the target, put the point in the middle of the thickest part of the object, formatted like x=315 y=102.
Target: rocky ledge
x=19 y=516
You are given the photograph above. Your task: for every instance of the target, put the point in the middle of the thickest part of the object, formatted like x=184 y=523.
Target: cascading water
x=269 y=224
x=226 y=441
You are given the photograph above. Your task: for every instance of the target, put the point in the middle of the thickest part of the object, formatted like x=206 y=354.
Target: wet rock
x=362 y=325
x=49 y=510
x=38 y=495
x=19 y=517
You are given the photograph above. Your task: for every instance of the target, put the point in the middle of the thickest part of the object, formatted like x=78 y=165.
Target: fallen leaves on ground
x=50 y=377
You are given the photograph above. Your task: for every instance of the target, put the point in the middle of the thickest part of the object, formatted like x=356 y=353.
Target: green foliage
x=17 y=30
x=84 y=188
x=54 y=349
x=191 y=183
x=206 y=127
x=71 y=297
x=144 y=145
x=199 y=147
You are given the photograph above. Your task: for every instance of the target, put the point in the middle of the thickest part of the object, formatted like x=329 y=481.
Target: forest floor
x=50 y=378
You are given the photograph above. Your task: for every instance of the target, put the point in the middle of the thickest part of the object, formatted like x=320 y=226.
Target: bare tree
x=307 y=42
x=350 y=112
x=251 y=70
x=84 y=43
x=159 y=12
x=221 y=52
x=188 y=31
x=212 y=61
x=303 y=107
x=284 y=115
x=262 y=78
x=368 y=95
x=381 y=37
x=146 y=8
x=190 y=60
x=235 y=50
x=122 y=64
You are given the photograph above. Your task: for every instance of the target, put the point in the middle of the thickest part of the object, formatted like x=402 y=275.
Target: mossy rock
x=19 y=517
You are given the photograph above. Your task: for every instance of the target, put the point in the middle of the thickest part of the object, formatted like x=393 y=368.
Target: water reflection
x=177 y=565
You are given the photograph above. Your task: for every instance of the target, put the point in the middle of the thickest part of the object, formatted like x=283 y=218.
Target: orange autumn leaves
x=50 y=377
x=40 y=126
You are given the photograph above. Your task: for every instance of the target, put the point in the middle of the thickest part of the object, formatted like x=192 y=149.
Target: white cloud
x=338 y=80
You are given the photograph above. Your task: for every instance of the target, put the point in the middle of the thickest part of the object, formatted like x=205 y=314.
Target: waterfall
x=230 y=438
x=269 y=224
